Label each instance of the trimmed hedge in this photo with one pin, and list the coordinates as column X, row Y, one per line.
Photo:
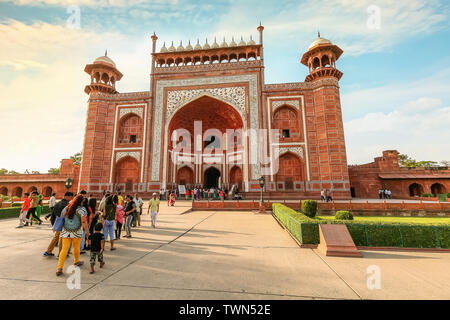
column 309, row 208
column 15, row 211
column 370, row 234
column 427, row 195
column 343, row 215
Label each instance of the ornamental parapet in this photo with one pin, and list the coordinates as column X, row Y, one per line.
column 120, row 96
column 333, row 82
column 209, row 67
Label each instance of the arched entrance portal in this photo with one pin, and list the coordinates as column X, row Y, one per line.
column 17, row 192
column 236, row 177
column 32, row 189
column 4, row 191
column 127, row 172
column 415, row 190
column 289, row 170
column 437, row 189
column 47, row 192
column 216, row 118
column 185, row 176
column 212, row 176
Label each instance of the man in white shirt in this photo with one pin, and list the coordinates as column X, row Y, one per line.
column 139, row 203
column 52, row 201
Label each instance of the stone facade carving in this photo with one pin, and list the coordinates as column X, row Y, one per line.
column 124, row 111
column 189, row 165
column 134, row 154
column 217, row 166
column 293, row 103
column 282, row 150
column 209, row 67
column 234, row 96
column 120, row 96
column 302, row 85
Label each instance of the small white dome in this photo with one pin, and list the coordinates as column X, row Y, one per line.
column 180, row 47
column 163, row 48
column 251, row 42
column 198, row 46
column 104, row 59
column 215, row 45
column 318, row 41
column 223, row 44
column 206, row 45
column 172, row 48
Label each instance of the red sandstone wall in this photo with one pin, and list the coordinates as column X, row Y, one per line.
column 41, row 182
column 367, row 179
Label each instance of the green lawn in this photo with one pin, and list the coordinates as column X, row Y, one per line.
column 419, row 220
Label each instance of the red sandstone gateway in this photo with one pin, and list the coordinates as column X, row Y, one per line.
column 131, row 140
column 128, row 141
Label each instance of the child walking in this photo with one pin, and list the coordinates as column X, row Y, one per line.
column 97, row 244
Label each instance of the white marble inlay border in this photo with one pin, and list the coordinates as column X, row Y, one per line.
column 134, row 154
column 252, row 100
column 234, row 96
column 279, row 103
column 137, row 111
column 296, row 150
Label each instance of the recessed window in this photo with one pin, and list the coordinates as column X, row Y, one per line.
column 285, row 133
column 133, row 138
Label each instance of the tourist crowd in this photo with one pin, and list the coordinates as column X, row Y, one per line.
column 385, row 194
column 196, row 193
column 80, row 224
column 325, row 195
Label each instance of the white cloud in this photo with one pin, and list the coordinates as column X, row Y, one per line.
column 387, row 98
column 420, row 128
column 20, row 64
column 43, row 109
column 342, row 21
column 91, row 3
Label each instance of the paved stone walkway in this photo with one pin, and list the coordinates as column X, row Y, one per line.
column 214, row 255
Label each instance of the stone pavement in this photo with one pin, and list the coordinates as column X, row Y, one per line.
column 214, row 255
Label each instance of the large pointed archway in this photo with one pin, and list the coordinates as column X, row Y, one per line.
column 211, row 179
column 290, row 171
column 216, row 118
column 127, row 173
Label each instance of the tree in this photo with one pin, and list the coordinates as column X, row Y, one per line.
column 54, row 170
column 13, row 172
column 3, row 171
column 445, row 163
column 405, row 161
column 35, row 172
column 26, row 171
column 77, row 158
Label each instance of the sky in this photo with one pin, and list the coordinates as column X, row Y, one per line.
column 395, row 92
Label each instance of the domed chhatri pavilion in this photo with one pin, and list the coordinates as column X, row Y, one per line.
column 132, row 139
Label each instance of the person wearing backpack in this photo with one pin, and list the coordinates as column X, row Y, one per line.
column 56, row 212
column 110, row 216
column 75, row 220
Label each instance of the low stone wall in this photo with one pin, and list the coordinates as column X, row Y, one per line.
column 366, row 209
